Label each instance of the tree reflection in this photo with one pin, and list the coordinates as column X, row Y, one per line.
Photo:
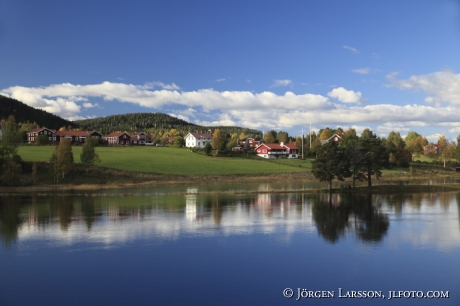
column 336, row 215
column 10, row 219
column 63, row 205
column 88, row 210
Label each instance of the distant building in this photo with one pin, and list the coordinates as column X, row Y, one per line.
column 198, row 140
column 275, row 150
column 118, row 138
column 335, row 138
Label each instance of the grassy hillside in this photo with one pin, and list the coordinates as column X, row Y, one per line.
column 165, row 160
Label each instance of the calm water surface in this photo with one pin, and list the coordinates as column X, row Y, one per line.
column 192, row 249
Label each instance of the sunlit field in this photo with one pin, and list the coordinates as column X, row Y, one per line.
column 167, row 160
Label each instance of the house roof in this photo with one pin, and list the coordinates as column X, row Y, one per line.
column 116, row 134
column 75, row 133
column 290, row 146
column 41, row 129
column 201, row 135
column 271, row 145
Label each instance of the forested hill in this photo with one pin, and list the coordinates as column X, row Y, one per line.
column 23, row 113
column 157, row 123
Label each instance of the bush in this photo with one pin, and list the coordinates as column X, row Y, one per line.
column 42, row 140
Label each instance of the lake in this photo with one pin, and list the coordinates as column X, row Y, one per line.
column 161, row 247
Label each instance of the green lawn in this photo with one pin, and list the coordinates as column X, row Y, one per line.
column 168, row 160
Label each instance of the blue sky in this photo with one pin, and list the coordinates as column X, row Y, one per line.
column 385, row 65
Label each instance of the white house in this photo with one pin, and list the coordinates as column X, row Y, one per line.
column 198, row 140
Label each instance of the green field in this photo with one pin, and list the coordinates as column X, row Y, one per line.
column 167, row 160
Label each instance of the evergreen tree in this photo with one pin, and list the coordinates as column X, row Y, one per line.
column 208, row 148
column 88, row 155
column 331, row 163
column 373, row 155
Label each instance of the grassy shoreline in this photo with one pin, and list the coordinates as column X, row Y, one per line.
column 107, row 178
column 127, row 167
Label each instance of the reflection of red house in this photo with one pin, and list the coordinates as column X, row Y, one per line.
column 275, row 150
column 118, row 138
column 76, row 136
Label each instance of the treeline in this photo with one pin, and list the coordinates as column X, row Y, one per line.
column 157, row 124
column 364, row 156
column 27, row 114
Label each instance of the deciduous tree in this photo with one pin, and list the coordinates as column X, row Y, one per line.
column 10, row 139
column 64, row 156
column 218, row 140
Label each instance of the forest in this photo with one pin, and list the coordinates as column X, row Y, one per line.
column 157, row 124
column 24, row 113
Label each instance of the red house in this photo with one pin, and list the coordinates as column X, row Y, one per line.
column 77, row 136
column 32, row 135
column 138, row 138
column 118, row 138
column 275, row 150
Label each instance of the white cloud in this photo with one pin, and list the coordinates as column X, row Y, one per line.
column 366, row 70
column 221, row 80
column 434, row 137
column 89, row 105
column 264, row 110
column 353, row 50
column 346, row 96
column 388, row 127
column 179, row 116
column 443, row 85
column 278, row 83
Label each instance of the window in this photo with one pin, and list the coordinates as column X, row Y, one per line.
column 264, row 151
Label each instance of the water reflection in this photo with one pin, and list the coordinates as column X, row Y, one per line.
column 338, row 214
column 428, row 218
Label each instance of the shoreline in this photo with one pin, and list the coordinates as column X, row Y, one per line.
column 157, row 180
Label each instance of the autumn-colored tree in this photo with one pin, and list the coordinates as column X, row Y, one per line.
column 283, row 137
column 325, row 134
column 415, row 145
column 270, row 136
column 411, row 135
column 442, row 145
column 64, row 156
column 218, row 140
column 394, row 142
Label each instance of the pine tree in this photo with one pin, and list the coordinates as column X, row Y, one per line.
column 88, row 155
column 331, row 163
